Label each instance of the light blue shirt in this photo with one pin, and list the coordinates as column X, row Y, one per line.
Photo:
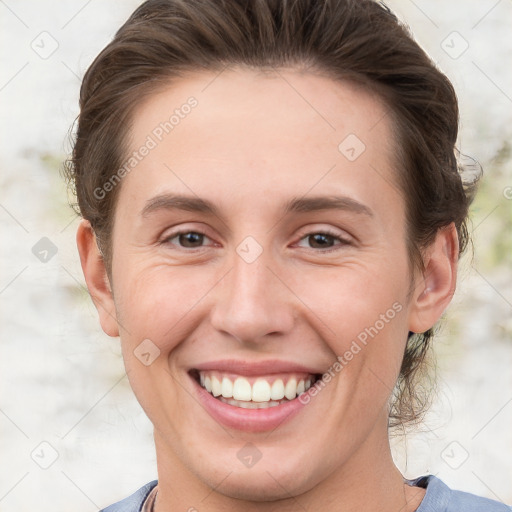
column 438, row 498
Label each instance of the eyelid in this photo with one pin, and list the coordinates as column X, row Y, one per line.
column 164, row 239
column 325, row 230
column 340, row 235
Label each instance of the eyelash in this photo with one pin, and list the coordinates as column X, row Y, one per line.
column 325, row 232
column 329, row 233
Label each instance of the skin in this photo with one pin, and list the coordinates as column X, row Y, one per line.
column 252, row 143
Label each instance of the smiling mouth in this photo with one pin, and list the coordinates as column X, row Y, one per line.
column 256, row 392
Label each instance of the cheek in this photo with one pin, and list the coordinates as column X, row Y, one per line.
column 362, row 314
column 154, row 299
column 350, row 299
column 154, row 305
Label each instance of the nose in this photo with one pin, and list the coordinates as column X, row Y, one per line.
column 253, row 302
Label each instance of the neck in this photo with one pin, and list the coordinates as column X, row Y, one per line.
column 367, row 482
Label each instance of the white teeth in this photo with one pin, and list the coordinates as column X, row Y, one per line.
column 242, row 389
column 227, row 388
column 290, row 390
column 277, row 391
column 216, row 387
column 249, row 405
column 261, row 391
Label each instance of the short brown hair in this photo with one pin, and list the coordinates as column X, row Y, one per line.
column 356, row 40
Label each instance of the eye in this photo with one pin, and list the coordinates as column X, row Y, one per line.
column 186, row 239
column 325, row 240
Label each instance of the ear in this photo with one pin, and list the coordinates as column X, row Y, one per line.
column 435, row 288
column 96, row 277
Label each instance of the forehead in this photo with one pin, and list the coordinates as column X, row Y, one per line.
column 261, row 132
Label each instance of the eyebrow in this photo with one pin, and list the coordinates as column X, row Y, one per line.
column 179, row 202
column 317, row 203
column 298, row 205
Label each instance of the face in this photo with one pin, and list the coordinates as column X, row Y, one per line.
column 258, row 244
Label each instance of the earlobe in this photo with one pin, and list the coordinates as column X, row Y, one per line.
column 96, row 278
column 435, row 289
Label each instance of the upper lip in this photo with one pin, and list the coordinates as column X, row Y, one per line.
column 254, row 368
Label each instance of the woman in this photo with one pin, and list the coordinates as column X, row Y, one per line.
column 272, row 219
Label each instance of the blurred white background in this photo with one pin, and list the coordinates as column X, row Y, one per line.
column 63, row 381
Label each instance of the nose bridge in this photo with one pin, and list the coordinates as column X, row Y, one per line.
column 251, row 302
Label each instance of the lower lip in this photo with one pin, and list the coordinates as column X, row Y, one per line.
column 248, row 420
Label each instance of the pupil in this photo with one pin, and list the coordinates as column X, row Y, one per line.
column 186, row 239
column 321, row 240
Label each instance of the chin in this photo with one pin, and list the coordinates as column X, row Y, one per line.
column 258, row 488
column 264, row 483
